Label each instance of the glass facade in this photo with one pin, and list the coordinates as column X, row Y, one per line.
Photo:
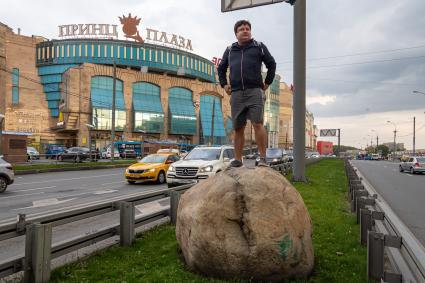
column 208, row 102
column 182, row 116
column 15, row 86
column 101, row 99
column 148, row 112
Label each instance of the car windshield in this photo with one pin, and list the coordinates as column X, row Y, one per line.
column 204, row 154
column 154, row 159
column 274, row 152
column 421, row 159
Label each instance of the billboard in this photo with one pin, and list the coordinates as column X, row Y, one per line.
column 328, row 132
column 231, row 5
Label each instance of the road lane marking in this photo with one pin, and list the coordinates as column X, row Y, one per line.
column 69, row 179
column 409, row 175
column 104, row 192
column 45, row 202
column 36, row 189
column 22, row 195
column 112, row 183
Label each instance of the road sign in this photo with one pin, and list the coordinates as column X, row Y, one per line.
column 231, row 5
column 328, row 132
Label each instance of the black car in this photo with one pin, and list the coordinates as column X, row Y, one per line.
column 77, row 154
column 275, row 156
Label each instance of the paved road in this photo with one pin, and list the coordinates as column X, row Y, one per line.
column 405, row 193
column 38, row 193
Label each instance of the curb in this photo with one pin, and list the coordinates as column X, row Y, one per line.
column 82, row 168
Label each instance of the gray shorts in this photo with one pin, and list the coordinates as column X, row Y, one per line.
column 247, row 104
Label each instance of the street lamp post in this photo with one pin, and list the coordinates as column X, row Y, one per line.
column 90, row 127
column 377, row 139
column 395, row 134
column 1, row 133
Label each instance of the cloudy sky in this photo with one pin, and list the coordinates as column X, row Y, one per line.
column 364, row 57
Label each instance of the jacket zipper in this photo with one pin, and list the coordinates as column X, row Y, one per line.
column 243, row 87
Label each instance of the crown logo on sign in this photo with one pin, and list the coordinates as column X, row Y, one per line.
column 130, row 27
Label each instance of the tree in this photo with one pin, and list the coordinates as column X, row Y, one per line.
column 343, row 148
column 383, row 149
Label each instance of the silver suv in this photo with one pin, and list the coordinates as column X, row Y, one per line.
column 201, row 163
column 6, row 175
column 415, row 164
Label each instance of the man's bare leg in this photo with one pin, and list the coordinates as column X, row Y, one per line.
column 239, row 142
column 260, row 138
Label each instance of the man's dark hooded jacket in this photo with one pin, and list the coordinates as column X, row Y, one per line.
column 245, row 66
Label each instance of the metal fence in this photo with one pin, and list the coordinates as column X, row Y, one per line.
column 39, row 251
column 384, row 234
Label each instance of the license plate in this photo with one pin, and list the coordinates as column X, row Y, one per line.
column 187, row 181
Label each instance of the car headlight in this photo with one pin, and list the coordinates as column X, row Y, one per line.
column 208, row 168
column 171, row 168
column 274, row 159
column 127, row 170
column 152, row 170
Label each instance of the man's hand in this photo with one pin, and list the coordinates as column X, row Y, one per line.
column 265, row 87
column 228, row 89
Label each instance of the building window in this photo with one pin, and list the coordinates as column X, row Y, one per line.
column 15, row 86
column 148, row 113
column 181, row 111
column 208, row 104
column 101, row 100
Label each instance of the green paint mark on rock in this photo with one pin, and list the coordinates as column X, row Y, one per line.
column 285, row 245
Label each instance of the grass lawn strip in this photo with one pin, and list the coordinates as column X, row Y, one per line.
column 154, row 257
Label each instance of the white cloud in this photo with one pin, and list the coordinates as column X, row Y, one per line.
column 321, row 99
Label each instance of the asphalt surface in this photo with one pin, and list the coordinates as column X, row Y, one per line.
column 48, row 192
column 405, row 193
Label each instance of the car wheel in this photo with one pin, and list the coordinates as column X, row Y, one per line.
column 400, row 168
column 131, row 182
column 161, row 177
column 412, row 171
column 3, row 184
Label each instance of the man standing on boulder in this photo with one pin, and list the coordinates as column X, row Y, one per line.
column 246, row 87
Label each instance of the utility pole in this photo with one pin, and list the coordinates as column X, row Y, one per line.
column 212, row 122
column 395, row 145
column 299, row 96
column 339, row 141
column 377, row 143
column 414, row 135
column 114, row 89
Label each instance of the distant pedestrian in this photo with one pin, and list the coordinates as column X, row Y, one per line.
column 246, row 87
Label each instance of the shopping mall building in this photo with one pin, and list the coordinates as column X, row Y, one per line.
column 61, row 90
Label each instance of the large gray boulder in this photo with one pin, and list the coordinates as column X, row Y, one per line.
column 245, row 223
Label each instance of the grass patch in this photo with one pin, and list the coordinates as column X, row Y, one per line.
column 154, row 257
column 69, row 165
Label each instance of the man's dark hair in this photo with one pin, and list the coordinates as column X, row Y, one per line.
column 241, row 23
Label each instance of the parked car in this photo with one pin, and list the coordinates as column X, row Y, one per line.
column 201, row 163
column 151, row 168
column 77, row 154
column 32, row 153
column 128, row 153
column 413, row 165
column 6, row 174
column 53, row 150
column 106, row 152
column 275, row 156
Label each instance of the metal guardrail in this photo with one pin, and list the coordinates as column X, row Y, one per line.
column 38, row 231
column 384, row 233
